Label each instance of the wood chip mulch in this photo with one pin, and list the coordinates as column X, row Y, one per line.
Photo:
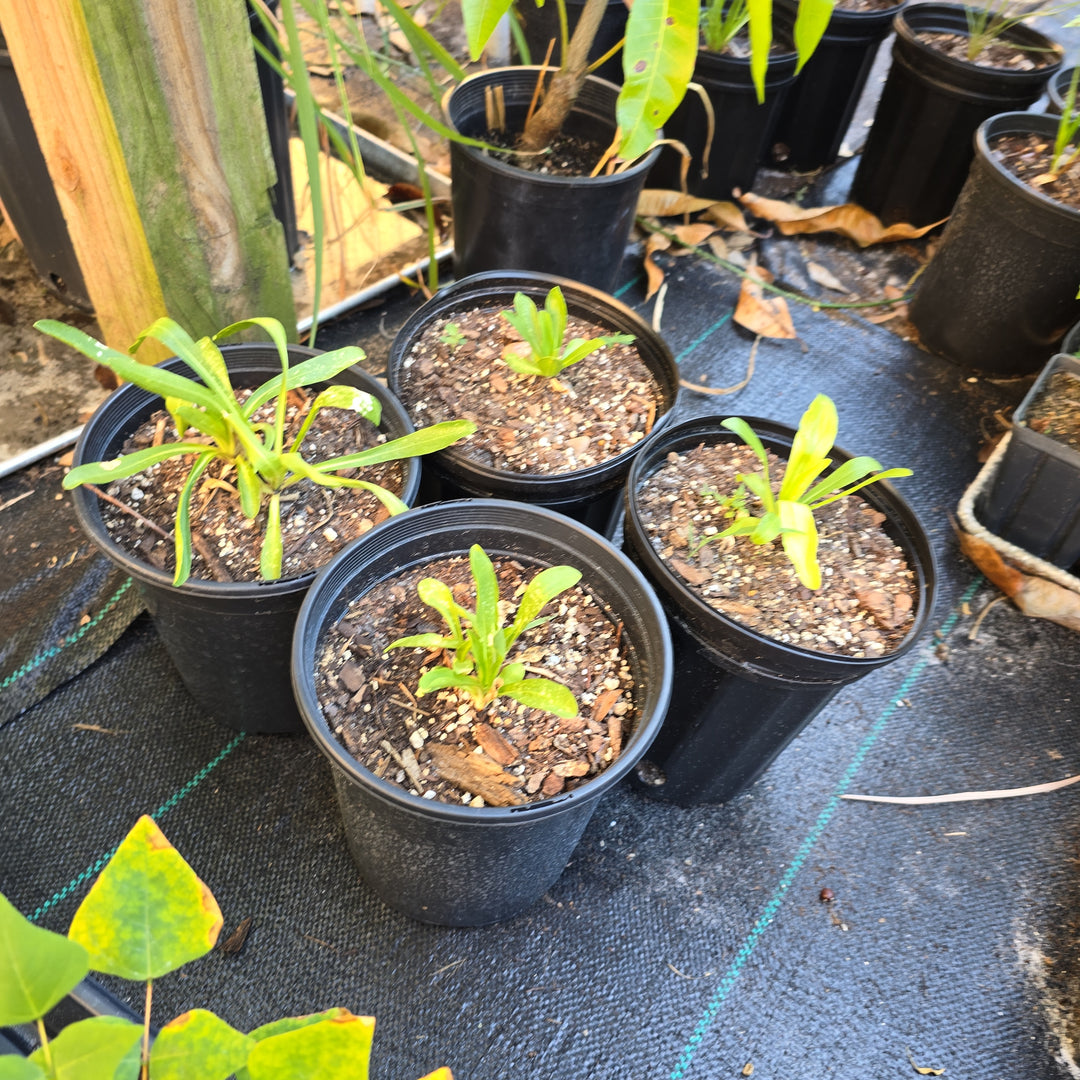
column 440, row 746
column 866, row 604
column 1029, row 157
column 595, row 410
column 1000, row 53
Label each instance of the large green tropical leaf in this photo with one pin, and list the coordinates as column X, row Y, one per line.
column 658, row 62
column 37, row 967
column 198, row 1046
column 147, row 913
column 101, row 1048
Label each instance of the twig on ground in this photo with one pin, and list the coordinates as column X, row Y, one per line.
column 966, row 796
column 728, row 389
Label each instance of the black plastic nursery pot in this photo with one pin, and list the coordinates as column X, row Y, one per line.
column 818, row 108
column 919, row 150
column 1070, row 343
column 587, row 495
column 741, row 697
column 540, row 25
column 452, row 864
column 513, row 219
column 743, row 130
column 229, row 641
column 1001, row 289
column 1033, row 498
column 1057, row 89
column 27, row 194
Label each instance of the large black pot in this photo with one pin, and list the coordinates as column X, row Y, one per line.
column 818, row 108
column 229, row 640
column 741, row 697
column 588, row 495
column 462, row 865
column 920, row 147
column 1001, row 289
column 743, row 129
column 540, row 25
column 506, row 218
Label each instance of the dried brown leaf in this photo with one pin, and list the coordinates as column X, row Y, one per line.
column 727, row 215
column 761, row 314
column 718, row 246
column 494, row 745
column 849, row 220
column 692, row 235
column 653, row 273
column 824, row 277
column 657, row 202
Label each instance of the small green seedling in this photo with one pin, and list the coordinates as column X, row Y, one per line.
column 263, row 464
column 452, row 335
column 479, row 643
column 790, row 513
column 542, row 351
column 1066, row 144
column 147, row 915
column 721, row 22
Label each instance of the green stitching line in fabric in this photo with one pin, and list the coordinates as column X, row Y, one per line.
column 161, row 811
column 727, row 983
column 71, row 639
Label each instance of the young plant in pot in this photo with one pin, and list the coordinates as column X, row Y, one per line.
column 478, row 678
column 1032, row 498
column 766, row 634
column 1001, row 289
column 953, row 67
column 228, row 485
column 563, row 382
column 145, row 916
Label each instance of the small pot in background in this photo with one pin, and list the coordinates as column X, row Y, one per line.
column 540, row 25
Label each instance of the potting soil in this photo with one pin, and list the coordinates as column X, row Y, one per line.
column 789, row 934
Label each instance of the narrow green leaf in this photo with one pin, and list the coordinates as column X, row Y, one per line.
column 182, row 525
column 481, row 17
column 541, row 590
column 439, row 678
column 555, row 306
column 147, row 913
column 270, row 555
column 208, row 423
column 887, row 474
column 847, row 472
column 315, row 369
column 658, row 62
column 198, row 1046
column 800, row 539
column 811, row 22
column 105, row 472
column 249, row 487
column 760, row 43
column 485, row 621
column 37, row 967
column 420, row 39
column 543, row 694
column 101, row 1048
column 427, row 440
column 338, row 1048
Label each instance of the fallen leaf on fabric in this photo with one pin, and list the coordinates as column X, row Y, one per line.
column 658, row 202
column 692, row 235
column 727, row 215
column 890, row 313
column 718, row 246
column 1034, row 596
column 761, row 314
column 741, row 241
column 824, row 277
column 924, row 1071
column 653, row 273
column 849, row 220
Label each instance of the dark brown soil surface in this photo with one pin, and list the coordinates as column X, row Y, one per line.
column 866, row 602
column 867, row 5
column 568, row 155
column 440, row 746
column 1000, row 53
column 1029, row 158
column 596, row 409
column 316, row 522
column 1056, row 411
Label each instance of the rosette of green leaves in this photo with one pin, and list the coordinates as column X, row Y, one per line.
column 543, row 332
column 789, row 513
column 480, row 643
column 263, row 462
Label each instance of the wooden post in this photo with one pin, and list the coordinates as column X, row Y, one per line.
column 54, row 62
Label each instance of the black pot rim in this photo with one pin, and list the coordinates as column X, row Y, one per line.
column 707, row 428
column 331, row 579
column 87, row 505
column 915, row 17
column 846, row 17
column 503, row 168
column 1019, row 123
column 479, row 286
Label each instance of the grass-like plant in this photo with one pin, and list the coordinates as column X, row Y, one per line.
column 145, row 916
column 263, row 462
column 479, row 643
column 1066, row 144
column 721, row 21
column 988, row 21
column 543, row 333
column 789, row 514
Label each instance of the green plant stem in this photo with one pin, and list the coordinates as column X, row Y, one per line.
column 740, row 272
column 46, row 1050
column 146, row 1030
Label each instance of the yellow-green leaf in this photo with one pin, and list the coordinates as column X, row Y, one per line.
column 101, row 1048
column 658, row 61
column 13, row 1067
column 811, row 23
column 481, row 17
column 798, row 534
column 198, row 1046
column 337, row 1047
column 147, row 913
column 37, row 967
column 760, row 42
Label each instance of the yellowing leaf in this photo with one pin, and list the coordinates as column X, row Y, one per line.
column 849, row 220
column 658, row 202
column 335, row 1048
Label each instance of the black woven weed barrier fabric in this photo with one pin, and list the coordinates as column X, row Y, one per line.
column 679, row 942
